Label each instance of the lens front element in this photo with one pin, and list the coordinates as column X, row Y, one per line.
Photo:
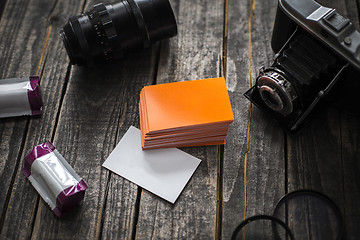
column 276, row 92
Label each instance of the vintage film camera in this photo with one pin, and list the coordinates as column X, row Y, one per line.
column 318, row 50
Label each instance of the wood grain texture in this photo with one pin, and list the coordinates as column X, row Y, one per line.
column 96, row 105
column 121, row 201
column 14, row 49
column 350, row 144
column 88, row 125
column 24, row 199
column 314, row 160
column 21, row 42
column 99, row 105
column 350, row 128
column 318, row 158
column 265, row 173
column 195, row 53
column 87, row 111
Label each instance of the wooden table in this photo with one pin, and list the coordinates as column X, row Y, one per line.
column 87, row 111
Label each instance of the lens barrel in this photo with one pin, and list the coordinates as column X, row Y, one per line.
column 106, row 32
column 277, row 92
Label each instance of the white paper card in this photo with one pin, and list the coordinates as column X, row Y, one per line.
column 163, row 172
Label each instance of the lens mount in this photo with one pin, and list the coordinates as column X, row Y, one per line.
column 276, row 92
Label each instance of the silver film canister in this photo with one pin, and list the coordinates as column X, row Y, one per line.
column 20, row 96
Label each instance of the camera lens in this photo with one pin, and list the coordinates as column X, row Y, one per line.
column 271, row 98
column 276, row 92
column 106, row 32
column 299, row 72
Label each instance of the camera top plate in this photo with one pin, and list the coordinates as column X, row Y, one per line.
column 334, row 30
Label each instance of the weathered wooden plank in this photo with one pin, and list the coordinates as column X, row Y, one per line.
column 95, row 114
column 350, row 149
column 314, row 158
column 91, row 115
column 350, row 130
column 120, row 212
column 99, row 105
column 350, row 145
column 119, row 209
column 12, row 47
column 11, row 134
column 319, row 157
column 38, row 18
column 21, row 43
column 254, row 153
column 193, row 54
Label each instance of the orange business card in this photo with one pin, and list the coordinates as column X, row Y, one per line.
column 190, row 113
column 186, row 104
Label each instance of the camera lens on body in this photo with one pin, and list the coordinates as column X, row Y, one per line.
column 299, row 72
column 277, row 92
column 316, row 62
column 106, row 32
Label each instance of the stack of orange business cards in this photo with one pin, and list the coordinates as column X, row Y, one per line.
column 180, row 114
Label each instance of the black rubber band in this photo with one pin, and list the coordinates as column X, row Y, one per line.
column 318, row 195
column 262, row 217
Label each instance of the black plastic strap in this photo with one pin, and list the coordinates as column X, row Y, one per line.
column 318, row 195
column 274, row 221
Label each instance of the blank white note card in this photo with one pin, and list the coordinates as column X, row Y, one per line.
column 163, row 172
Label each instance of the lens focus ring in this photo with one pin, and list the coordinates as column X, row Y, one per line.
column 104, row 28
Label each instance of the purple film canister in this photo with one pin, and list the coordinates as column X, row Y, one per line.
column 20, row 96
column 53, row 178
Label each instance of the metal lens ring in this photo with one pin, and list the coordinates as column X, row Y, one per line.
column 140, row 22
column 104, row 28
column 310, row 215
column 276, row 92
column 262, row 227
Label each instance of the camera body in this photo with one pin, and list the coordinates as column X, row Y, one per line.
column 317, row 53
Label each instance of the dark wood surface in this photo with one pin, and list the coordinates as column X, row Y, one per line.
column 87, row 111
